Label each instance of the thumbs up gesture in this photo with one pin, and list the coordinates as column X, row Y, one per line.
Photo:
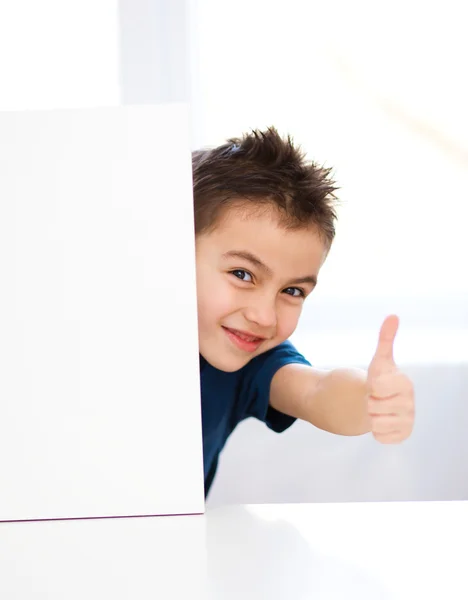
column 390, row 392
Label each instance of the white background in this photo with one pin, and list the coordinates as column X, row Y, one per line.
column 375, row 91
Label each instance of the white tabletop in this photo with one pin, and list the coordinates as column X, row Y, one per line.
column 369, row 551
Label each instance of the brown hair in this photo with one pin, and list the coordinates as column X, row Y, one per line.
column 262, row 169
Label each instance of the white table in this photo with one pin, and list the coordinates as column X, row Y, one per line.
column 368, row 551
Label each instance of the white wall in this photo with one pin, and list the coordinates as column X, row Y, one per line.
column 83, row 53
column 56, row 54
column 154, row 41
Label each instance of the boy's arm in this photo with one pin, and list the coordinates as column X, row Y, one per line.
column 335, row 401
column 351, row 401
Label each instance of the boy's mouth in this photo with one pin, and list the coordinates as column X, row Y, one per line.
column 243, row 340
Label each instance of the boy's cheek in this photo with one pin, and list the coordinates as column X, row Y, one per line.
column 288, row 320
column 213, row 306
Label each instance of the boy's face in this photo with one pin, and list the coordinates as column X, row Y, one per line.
column 252, row 279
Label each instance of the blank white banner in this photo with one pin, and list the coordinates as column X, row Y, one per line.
column 99, row 383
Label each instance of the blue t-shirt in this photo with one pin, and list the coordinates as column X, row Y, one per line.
column 229, row 398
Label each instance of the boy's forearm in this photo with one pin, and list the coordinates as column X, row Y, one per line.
column 339, row 402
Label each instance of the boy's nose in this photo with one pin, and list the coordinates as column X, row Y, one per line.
column 263, row 314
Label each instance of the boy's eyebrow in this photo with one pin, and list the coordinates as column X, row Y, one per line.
column 245, row 255
column 309, row 279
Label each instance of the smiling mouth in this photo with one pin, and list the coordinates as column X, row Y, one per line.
column 245, row 336
column 242, row 340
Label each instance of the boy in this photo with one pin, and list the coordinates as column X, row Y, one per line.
column 264, row 223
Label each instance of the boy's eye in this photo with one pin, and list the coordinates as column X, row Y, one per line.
column 241, row 274
column 296, row 292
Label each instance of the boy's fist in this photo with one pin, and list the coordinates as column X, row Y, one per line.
column 390, row 392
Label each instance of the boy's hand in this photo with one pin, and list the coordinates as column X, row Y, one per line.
column 390, row 392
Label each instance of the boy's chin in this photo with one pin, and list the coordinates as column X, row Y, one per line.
column 229, row 364
column 224, row 361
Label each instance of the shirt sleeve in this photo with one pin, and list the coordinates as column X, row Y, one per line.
column 256, row 382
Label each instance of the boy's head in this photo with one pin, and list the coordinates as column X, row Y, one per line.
column 264, row 223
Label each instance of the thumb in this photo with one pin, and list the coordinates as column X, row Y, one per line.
column 383, row 358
